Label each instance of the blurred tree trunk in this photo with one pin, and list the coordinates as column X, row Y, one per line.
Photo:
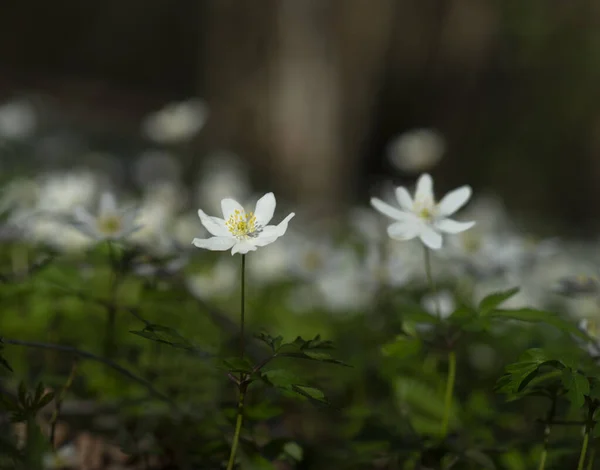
column 293, row 82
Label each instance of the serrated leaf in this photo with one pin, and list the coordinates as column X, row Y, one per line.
column 577, row 386
column 237, row 364
column 314, row 356
column 531, row 315
column 310, row 392
column 494, row 300
column 273, row 342
column 402, row 347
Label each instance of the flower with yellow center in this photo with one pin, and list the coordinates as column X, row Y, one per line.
column 423, row 217
column 111, row 223
column 240, row 230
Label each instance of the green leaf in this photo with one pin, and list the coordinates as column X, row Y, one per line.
column 540, row 316
column 577, row 386
column 310, row 392
column 402, row 347
column 293, row 450
column 314, row 356
column 492, row 301
column 166, row 335
column 237, row 364
column 273, row 342
column 519, row 374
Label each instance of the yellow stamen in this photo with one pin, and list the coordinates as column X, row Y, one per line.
column 109, row 225
column 242, row 225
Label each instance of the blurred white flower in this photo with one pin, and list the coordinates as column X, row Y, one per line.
column 273, row 265
column 223, row 175
column 220, row 281
column 241, row 231
column 18, row 119
column 416, row 151
column 63, row 192
column 176, row 122
column 111, row 222
column 65, row 457
column 423, row 217
column 442, row 300
column 389, row 269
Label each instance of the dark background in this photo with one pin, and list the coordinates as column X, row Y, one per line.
column 311, row 91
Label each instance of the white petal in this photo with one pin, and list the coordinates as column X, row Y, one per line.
column 214, row 243
column 431, row 238
column 108, row 204
column 265, row 207
column 243, row 248
column 389, row 210
column 404, row 199
column 84, row 217
column 403, row 231
column 272, row 232
column 424, row 190
column 452, row 226
column 214, row 225
column 454, row 200
column 229, row 206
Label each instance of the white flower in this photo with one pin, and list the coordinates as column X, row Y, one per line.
column 176, row 122
column 62, row 192
column 416, row 150
column 239, row 230
column 423, row 217
column 443, row 300
column 18, row 119
column 65, row 457
column 111, row 223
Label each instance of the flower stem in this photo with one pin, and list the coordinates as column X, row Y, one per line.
column 431, row 282
column 549, row 418
column 242, row 383
column 242, row 306
column 584, row 446
column 238, row 427
column 449, row 392
column 111, row 308
column 591, row 460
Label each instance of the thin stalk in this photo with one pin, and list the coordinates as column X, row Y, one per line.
column 238, row 428
column 591, row 460
column 431, row 282
column 59, row 401
column 449, row 392
column 242, row 307
column 111, row 306
column 584, row 446
column 549, row 418
column 242, row 385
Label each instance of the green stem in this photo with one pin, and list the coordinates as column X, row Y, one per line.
column 242, row 306
column 584, row 446
column 238, row 428
column 591, row 461
column 549, row 418
column 242, row 383
column 111, row 307
column 449, row 392
column 431, row 282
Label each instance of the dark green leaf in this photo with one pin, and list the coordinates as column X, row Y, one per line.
column 310, row 392
column 494, row 300
column 402, row 347
column 577, row 386
column 237, row 364
column 539, row 316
